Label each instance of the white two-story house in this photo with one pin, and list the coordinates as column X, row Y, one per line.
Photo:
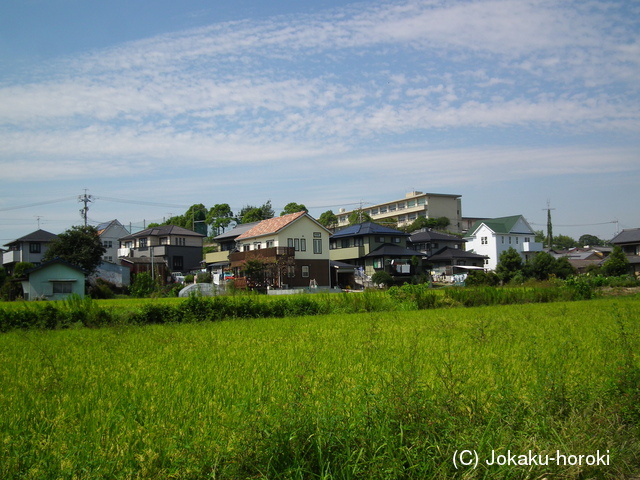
column 493, row 236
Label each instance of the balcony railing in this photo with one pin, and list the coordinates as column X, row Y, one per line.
column 265, row 254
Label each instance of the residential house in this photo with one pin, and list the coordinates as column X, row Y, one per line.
column 217, row 263
column 583, row 258
column 372, row 248
column 446, row 256
column 53, row 280
column 491, row 237
column 415, row 205
column 629, row 241
column 167, row 247
column 110, row 234
column 30, row 248
column 294, row 250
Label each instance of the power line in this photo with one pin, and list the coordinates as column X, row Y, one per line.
column 36, row 204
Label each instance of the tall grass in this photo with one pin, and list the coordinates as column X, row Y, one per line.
column 76, row 311
column 370, row 395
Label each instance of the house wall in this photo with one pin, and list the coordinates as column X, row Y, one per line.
column 497, row 243
column 111, row 241
column 41, row 282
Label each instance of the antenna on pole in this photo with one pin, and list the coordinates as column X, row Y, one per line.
column 549, row 225
column 38, row 217
column 86, row 199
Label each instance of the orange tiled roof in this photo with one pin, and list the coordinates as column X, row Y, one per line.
column 271, row 225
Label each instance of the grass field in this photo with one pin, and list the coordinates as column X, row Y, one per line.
column 360, row 396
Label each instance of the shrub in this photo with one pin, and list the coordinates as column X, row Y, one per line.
column 382, row 278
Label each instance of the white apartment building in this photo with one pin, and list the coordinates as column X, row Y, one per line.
column 415, row 205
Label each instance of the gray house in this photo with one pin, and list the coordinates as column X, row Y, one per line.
column 178, row 249
column 29, row 248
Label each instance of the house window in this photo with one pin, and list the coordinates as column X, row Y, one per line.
column 411, row 203
column 296, row 244
column 305, row 271
column 333, row 245
column 269, row 243
column 178, row 263
column 107, row 244
column 509, row 240
column 421, row 201
column 392, row 207
column 291, row 271
column 257, row 245
column 164, row 241
column 396, row 239
column 374, row 211
column 303, row 244
column 484, row 241
column 143, row 242
column 128, row 244
column 383, row 209
column 34, row 247
column 402, row 218
column 412, row 217
column 377, row 263
column 345, row 243
column 290, row 242
column 317, row 245
column 503, row 239
column 358, row 242
column 380, row 239
column 246, row 247
column 317, row 234
column 62, row 287
column 527, row 239
column 401, row 205
column 517, row 240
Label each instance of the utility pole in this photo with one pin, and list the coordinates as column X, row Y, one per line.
column 549, row 225
column 86, row 199
column 38, row 217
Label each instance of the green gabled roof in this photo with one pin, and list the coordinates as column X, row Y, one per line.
column 498, row 225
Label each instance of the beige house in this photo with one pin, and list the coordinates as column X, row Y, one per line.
column 294, row 250
column 407, row 210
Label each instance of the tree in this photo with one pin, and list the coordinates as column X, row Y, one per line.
column 590, row 240
column 359, row 216
column 440, row 223
column 616, row 263
column 509, row 265
column 80, row 246
column 219, row 217
column 293, row 208
column 250, row 213
column 328, row 219
column 564, row 242
column 193, row 219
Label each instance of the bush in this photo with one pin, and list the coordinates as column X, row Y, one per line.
column 382, row 278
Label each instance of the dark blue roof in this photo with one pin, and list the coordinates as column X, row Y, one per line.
column 367, row 228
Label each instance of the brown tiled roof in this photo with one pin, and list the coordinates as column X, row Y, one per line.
column 271, row 225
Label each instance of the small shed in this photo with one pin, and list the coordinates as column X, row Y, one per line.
column 53, row 280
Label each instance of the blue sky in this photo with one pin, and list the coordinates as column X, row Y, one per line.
column 155, row 106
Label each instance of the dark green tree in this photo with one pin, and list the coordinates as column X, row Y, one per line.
column 564, row 242
column 80, row 246
column 359, row 216
column 616, row 263
column 328, row 219
column 219, row 217
column 543, row 265
column 590, row 240
column 250, row 213
column 509, row 265
column 293, row 208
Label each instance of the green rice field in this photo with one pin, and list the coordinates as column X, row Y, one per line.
column 467, row 393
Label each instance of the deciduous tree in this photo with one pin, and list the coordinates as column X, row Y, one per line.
column 80, row 246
